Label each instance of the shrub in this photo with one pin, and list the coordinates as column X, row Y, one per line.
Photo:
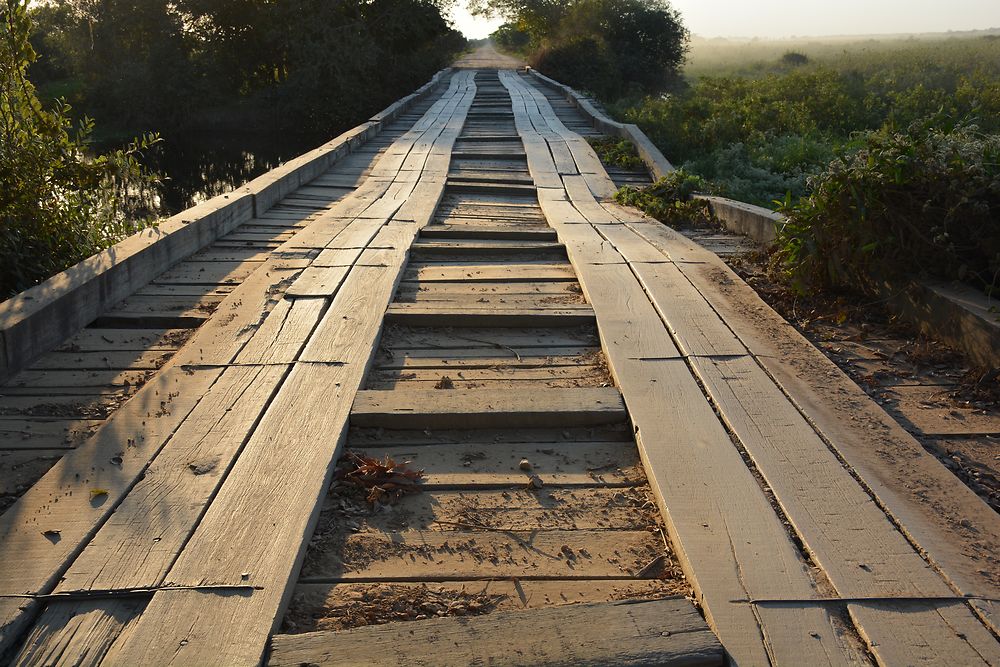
column 617, row 152
column 57, row 206
column 670, row 199
column 794, row 59
column 925, row 200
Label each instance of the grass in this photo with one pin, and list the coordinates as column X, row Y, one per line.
column 882, row 151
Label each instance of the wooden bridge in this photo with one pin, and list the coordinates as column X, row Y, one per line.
column 603, row 412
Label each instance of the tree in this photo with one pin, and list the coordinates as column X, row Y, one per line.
column 610, row 47
column 57, row 206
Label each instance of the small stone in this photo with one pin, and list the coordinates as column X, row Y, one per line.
column 525, row 464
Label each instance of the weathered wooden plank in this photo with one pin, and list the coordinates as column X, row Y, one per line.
column 143, row 340
column 54, row 519
column 37, row 380
column 140, row 540
column 496, row 378
column 502, row 272
column 77, row 633
column 515, row 409
column 513, row 507
column 41, row 433
column 910, row 483
column 284, row 333
column 697, row 329
column 104, row 360
column 481, row 464
column 221, row 338
column 410, row 291
column 860, row 550
column 487, row 357
column 297, row 439
column 729, row 541
column 423, row 338
column 454, row 231
column 664, row 632
column 337, row 606
column 476, row 313
column 480, row 554
column 375, row 437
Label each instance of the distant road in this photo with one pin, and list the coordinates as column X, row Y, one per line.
column 487, row 57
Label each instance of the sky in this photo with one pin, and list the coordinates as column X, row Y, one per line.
column 787, row 18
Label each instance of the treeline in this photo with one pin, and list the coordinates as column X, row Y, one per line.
column 612, row 48
column 156, row 67
column 312, row 66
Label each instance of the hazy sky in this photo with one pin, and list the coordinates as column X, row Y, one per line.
column 784, row 18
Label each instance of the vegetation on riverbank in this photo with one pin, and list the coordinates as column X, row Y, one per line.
column 883, row 154
column 58, row 204
column 304, row 71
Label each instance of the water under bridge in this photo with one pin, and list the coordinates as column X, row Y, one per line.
column 603, row 414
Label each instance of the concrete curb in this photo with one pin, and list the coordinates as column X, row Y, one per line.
column 42, row 317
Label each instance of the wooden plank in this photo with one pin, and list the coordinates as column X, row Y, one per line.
column 141, row 539
column 376, row 437
column 421, row 338
column 38, row 380
column 494, row 378
column 463, row 314
column 728, row 538
column 410, row 291
column 445, row 231
column 503, row 247
column 107, row 359
column 910, row 483
column 632, row 247
column 320, row 281
column 482, row 357
column 40, row 433
column 78, row 494
column 521, row 272
column 342, row 606
column 665, row 632
column 482, row 464
column 413, row 555
column 698, row 330
column 20, row 469
column 454, row 409
column 512, row 507
column 221, row 338
column 854, row 542
column 76, row 633
column 190, row 627
column 151, row 340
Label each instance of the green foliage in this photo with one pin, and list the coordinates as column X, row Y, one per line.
column 759, row 138
column 609, row 47
column 794, row 59
column 926, row 199
column 618, row 152
column 316, row 66
column 670, row 199
column 57, row 206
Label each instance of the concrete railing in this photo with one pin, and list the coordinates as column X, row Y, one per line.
column 40, row 318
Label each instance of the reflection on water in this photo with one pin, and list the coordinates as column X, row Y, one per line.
column 198, row 166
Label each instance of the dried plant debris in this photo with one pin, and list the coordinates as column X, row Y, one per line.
column 360, row 605
column 381, row 480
